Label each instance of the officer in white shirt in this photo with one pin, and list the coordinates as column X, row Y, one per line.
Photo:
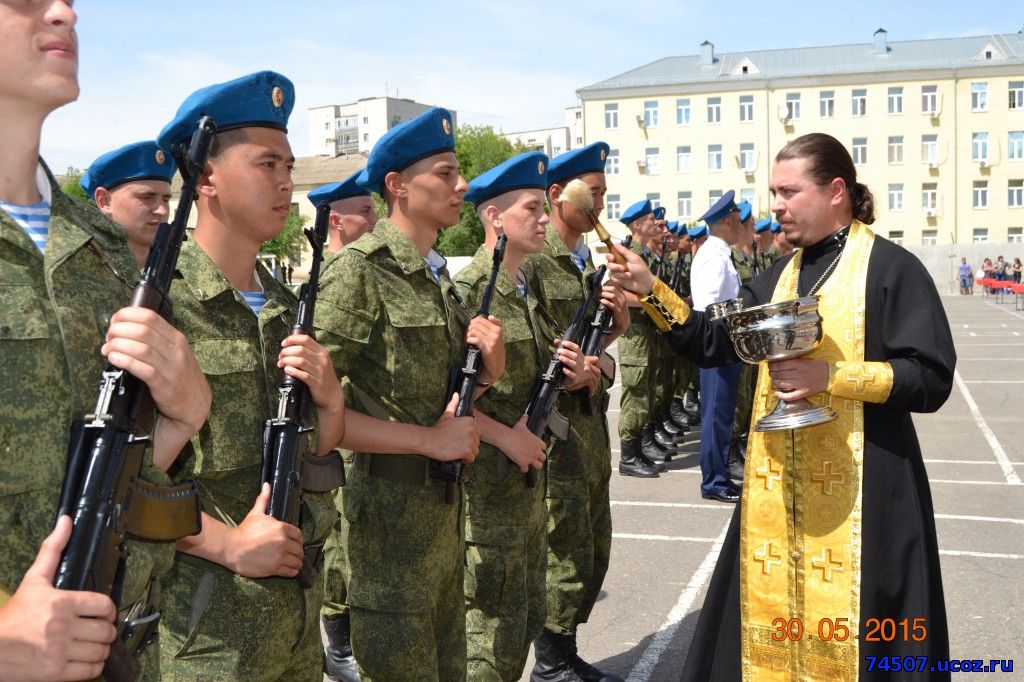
column 713, row 279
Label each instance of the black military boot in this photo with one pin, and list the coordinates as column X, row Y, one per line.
column 557, row 661
column 691, row 403
column 652, row 453
column 664, row 439
column 630, row 463
column 341, row 664
column 677, row 415
column 737, row 458
column 677, row 431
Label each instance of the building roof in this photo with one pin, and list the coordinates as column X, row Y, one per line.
column 312, row 171
column 879, row 56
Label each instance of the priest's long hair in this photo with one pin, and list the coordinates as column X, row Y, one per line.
column 829, row 159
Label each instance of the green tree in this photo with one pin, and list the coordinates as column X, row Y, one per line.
column 69, row 184
column 290, row 242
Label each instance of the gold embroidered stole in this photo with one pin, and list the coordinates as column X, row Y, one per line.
column 800, row 541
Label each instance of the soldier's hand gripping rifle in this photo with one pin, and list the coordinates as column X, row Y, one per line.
column 103, row 491
column 453, row 473
column 541, row 415
column 286, row 436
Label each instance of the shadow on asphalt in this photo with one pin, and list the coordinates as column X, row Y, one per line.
column 669, row 664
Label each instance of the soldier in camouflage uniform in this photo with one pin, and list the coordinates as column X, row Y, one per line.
column 748, row 266
column 764, row 243
column 352, row 215
column 64, row 271
column 639, row 357
column 506, row 520
column 234, row 611
column 579, row 512
column 396, row 327
column 684, row 371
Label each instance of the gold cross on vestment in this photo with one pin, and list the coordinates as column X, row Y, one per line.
column 826, row 565
column 768, row 474
column 861, row 379
column 767, row 556
column 826, row 477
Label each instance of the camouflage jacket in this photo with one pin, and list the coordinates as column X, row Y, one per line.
column 54, row 313
column 638, row 341
column 746, row 267
column 237, row 352
column 390, row 327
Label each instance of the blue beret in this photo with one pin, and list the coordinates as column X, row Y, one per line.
column 745, row 210
column 659, row 213
column 138, row 161
column 762, row 225
column 432, row 132
column 524, row 171
column 572, row 164
column 636, row 211
column 260, row 100
column 336, row 191
column 698, row 231
column 673, row 227
column 776, row 227
column 722, row 208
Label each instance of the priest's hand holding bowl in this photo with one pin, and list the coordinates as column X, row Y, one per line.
column 798, row 378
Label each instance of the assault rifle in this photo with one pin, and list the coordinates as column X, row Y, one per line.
column 103, row 491
column 285, row 437
column 453, row 473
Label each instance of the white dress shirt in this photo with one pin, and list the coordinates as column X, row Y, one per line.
column 713, row 277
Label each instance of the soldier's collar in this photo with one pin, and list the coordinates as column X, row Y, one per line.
column 401, row 246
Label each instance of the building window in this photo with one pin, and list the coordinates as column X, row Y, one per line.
column 366, row 137
column 579, row 115
column 611, row 164
column 979, row 96
column 747, row 194
column 827, row 103
column 327, row 126
column 366, row 120
column 929, row 237
column 1017, row 94
column 651, row 114
column 860, row 102
column 579, row 140
column 685, row 207
column 929, row 99
column 1015, row 235
column 684, row 160
column 714, row 157
column 930, row 197
column 747, row 158
column 793, row 105
column 860, row 150
column 930, row 149
column 654, row 198
column 896, row 197
column 1016, row 194
column 556, row 150
column 896, row 100
column 652, row 155
column 979, row 147
column 614, row 205
column 1015, row 145
column 611, row 116
column 980, row 235
column 714, row 109
column 979, row 197
column 896, row 236
column 746, row 107
column 683, row 112
column 896, row 149
column 713, row 196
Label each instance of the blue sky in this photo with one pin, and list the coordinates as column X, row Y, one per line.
column 514, row 65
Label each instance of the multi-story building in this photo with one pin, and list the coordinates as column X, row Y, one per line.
column 354, row 128
column 935, row 127
column 551, row 141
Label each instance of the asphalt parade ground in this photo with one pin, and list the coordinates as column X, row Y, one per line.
column 667, row 539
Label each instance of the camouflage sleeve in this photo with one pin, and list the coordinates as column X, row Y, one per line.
column 347, row 309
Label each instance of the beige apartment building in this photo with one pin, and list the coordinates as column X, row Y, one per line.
column 936, row 128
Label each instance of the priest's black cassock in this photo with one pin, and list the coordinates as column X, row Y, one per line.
column 906, row 326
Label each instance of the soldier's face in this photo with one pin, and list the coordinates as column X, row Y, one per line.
column 138, row 206
column 434, row 190
column 524, row 220
column 764, row 240
column 352, row 218
column 573, row 216
column 38, row 53
column 251, row 182
column 807, row 211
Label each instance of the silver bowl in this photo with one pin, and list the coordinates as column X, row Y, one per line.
column 780, row 331
column 719, row 310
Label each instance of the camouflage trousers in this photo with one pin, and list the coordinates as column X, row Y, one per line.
column 637, row 401
column 579, row 523
column 685, row 375
column 336, row 558
column 405, row 590
column 217, row 625
column 506, row 559
column 744, row 402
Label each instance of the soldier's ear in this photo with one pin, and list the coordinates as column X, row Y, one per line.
column 102, row 198
column 206, row 183
column 394, row 183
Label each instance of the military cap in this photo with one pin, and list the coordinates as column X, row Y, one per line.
column 259, row 100
column 336, row 191
column 698, row 231
column 745, row 210
column 722, row 208
column 673, row 227
column 137, row 161
column 636, row 211
column 572, row 164
column 776, row 227
column 528, row 170
column 659, row 213
column 762, row 225
column 432, row 132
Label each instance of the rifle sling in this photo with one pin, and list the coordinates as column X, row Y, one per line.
column 323, row 474
column 410, row 469
column 162, row 513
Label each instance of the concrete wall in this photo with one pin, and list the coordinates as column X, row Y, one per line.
column 943, row 261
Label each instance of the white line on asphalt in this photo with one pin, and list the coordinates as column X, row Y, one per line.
column 980, row 555
column 1011, row 476
column 972, row 333
column 660, row 538
column 940, row 480
column 671, row 505
column 1008, row 312
column 993, row 359
column 995, row 381
column 643, row 669
column 987, row 519
column 965, row 461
